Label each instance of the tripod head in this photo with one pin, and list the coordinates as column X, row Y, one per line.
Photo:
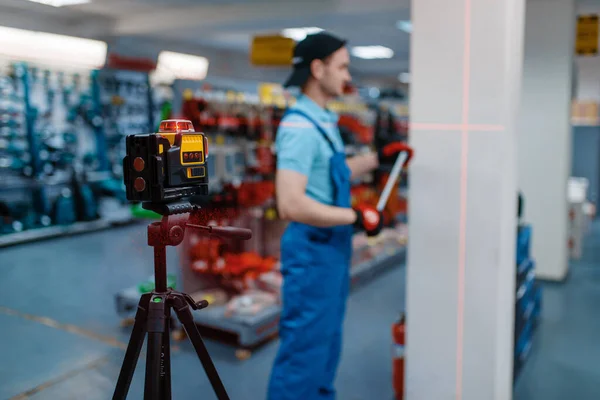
column 170, row 231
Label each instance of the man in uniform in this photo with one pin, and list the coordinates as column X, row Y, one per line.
column 313, row 193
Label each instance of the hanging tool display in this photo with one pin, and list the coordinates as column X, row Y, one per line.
column 54, row 162
column 65, row 126
column 15, row 205
column 127, row 108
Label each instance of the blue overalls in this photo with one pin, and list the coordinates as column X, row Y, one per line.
column 315, row 264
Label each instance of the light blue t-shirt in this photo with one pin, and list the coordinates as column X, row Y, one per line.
column 302, row 148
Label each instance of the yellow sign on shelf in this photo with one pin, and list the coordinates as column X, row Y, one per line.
column 586, row 43
column 273, row 50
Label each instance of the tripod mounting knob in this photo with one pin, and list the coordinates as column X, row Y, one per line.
column 224, row 231
column 196, row 306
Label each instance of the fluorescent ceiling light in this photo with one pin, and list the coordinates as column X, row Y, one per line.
column 60, row 3
column 51, row 49
column 405, row 26
column 372, row 52
column 181, row 66
column 300, row 33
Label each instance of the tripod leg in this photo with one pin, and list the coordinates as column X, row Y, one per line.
column 187, row 320
column 133, row 349
column 166, row 342
column 155, row 367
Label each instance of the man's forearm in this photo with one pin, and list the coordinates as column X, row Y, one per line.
column 308, row 211
column 362, row 164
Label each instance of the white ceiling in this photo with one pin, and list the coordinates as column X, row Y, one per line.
column 225, row 24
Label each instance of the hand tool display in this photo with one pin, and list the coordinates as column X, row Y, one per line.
column 125, row 98
column 59, row 168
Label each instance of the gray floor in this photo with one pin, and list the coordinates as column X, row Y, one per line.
column 72, row 281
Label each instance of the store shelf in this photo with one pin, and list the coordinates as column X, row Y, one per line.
column 252, row 330
column 32, row 235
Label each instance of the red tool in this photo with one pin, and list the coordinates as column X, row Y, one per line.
column 363, row 132
column 265, row 159
column 252, row 194
column 398, row 335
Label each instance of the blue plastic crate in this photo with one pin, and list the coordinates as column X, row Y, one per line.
column 524, row 268
column 523, row 243
column 523, row 341
column 537, row 301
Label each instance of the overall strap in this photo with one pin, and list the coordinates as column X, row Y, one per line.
column 318, row 126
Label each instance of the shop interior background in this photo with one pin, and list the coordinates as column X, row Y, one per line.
column 77, row 76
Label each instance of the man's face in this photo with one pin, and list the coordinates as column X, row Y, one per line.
column 334, row 73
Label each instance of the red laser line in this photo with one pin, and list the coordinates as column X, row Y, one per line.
column 463, row 200
column 455, row 127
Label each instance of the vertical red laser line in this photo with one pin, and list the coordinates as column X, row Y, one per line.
column 463, row 200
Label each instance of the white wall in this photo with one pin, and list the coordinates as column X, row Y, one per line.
column 544, row 141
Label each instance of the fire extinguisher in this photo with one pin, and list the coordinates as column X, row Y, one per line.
column 398, row 335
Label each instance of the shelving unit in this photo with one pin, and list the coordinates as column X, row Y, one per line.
column 58, row 178
column 248, row 331
column 528, row 300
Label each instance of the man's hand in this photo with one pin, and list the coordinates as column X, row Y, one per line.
column 369, row 219
column 387, row 154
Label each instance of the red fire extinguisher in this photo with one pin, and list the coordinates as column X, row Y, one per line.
column 398, row 335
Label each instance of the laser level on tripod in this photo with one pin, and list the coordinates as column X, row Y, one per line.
column 162, row 170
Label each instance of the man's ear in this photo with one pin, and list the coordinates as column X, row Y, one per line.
column 317, row 69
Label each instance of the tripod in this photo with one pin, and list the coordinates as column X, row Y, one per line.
column 154, row 309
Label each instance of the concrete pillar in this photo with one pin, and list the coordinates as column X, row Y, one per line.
column 466, row 60
column 544, row 130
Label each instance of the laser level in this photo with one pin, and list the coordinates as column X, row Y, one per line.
column 166, row 166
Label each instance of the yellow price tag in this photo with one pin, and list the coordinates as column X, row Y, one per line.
column 188, row 94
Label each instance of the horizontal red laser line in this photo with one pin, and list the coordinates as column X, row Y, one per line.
column 456, row 127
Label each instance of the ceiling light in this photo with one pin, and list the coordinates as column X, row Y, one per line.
column 299, row 34
column 60, row 3
column 51, row 49
column 405, row 26
column 372, row 52
column 404, row 77
column 172, row 66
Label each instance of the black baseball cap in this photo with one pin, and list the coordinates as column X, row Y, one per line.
column 317, row 46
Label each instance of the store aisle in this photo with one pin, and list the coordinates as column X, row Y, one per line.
column 72, row 281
